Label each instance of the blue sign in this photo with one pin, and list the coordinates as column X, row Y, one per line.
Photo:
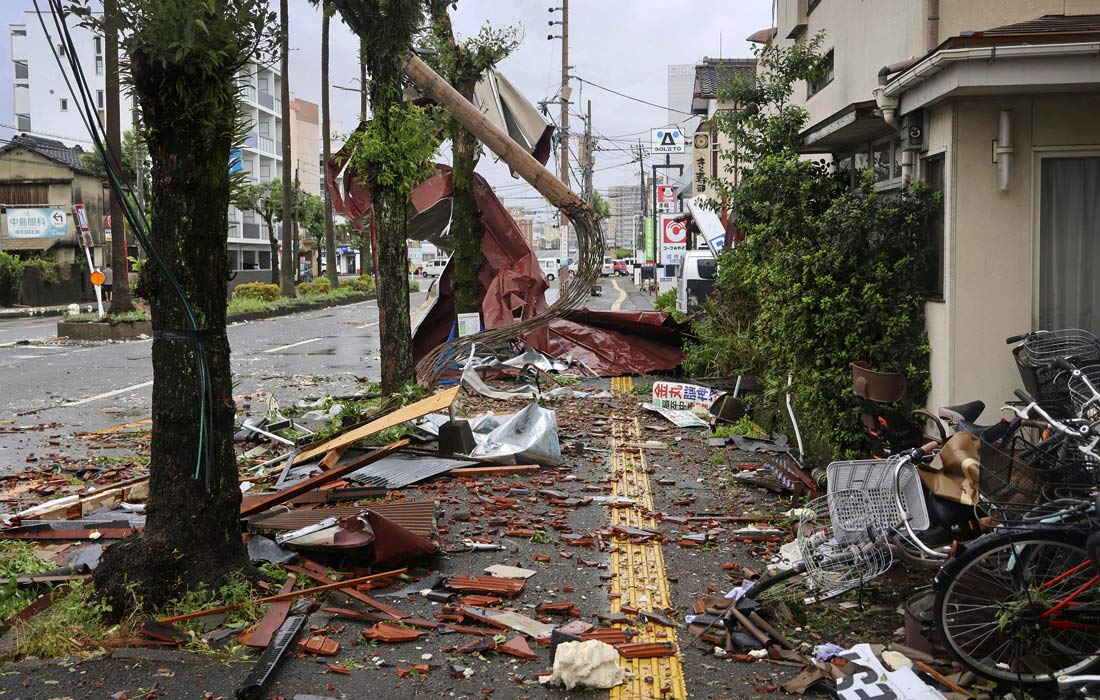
column 36, row 222
column 236, row 163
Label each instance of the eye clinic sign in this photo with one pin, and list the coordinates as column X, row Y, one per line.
column 669, row 139
column 36, row 222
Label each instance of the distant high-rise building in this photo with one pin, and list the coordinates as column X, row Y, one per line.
column 42, row 105
column 622, row 228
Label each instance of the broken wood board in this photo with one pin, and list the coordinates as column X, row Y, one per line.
column 436, row 402
column 262, row 503
column 283, row 596
column 348, row 589
column 273, row 618
column 77, row 506
column 510, row 620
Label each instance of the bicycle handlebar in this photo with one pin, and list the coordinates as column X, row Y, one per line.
column 908, row 458
column 1017, row 338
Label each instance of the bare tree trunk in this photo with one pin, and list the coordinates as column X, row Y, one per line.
column 326, row 150
column 273, row 240
column 120, row 281
column 466, row 225
column 394, row 329
column 290, row 265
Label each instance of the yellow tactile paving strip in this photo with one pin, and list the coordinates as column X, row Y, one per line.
column 639, row 569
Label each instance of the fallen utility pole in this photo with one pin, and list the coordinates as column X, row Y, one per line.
column 590, row 243
column 352, row 582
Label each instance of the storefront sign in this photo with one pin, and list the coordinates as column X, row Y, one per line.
column 36, row 222
column 650, row 244
column 674, row 236
column 701, row 163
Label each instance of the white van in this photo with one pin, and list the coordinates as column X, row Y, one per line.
column 550, row 267
column 608, row 267
column 695, row 279
column 434, row 268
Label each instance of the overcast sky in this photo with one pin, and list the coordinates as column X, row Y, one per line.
column 625, row 45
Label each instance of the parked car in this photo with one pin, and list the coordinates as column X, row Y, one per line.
column 608, row 267
column 550, row 267
column 434, row 268
column 695, row 279
column 620, row 268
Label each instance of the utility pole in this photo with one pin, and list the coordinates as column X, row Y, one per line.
column 120, row 283
column 297, row 200
column 589, row 156
column 563, row 222
column 288, row 257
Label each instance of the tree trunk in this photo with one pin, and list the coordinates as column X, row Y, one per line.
column 466, row 225
column 192, row 531
column 362, row 79
column 290, row 265
column 326, row 151
column 120, row 282
column 394, row 329
column 273, row 240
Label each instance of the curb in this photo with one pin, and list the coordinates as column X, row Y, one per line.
column 43, row 311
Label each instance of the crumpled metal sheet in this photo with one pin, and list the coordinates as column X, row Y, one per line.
column 399, row 470
column 612, row 343
column 528, row 437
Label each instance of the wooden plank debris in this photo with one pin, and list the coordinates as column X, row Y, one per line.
column 283, row 596
column 263, row 503
column 348, row 589
column 436, row 402
column 273, row 618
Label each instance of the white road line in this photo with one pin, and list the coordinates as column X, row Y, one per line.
column 104, row 395
column 368, row 325
column 294, row 345
column 622, row 296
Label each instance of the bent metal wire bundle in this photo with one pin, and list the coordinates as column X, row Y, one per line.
column 590, row 248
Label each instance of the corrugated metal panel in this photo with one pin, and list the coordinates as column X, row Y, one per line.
column 399, row 470
column 417, row 517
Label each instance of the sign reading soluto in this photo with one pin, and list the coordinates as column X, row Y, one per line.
column 669, row 139
column 36, row 222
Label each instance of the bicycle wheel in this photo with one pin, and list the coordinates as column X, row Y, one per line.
column 991, row 600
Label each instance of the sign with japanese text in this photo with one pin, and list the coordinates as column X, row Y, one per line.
column 674, row 236
column 681, row 397
column 876, row 683
column 682, row 419
column 36, row 222
column 700, row 165
column 650, row 244
column 666, row 199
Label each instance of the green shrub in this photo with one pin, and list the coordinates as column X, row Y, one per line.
column 414, row 286
column 257, row 290
column 308, row 289
column 363, row 283
column 246, row 305
column 48, row 270
column 666, row 301
column 11, row 277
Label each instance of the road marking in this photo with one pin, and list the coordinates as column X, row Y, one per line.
column 368, row 325
column 639, row 578
column 294, row 345
column 622, row 296
column 104, row 395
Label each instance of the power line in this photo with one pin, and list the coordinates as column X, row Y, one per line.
column 631, row 97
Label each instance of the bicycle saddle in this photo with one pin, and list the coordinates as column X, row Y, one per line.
column 963, row 412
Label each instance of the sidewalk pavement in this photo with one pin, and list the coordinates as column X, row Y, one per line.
column 8, row 312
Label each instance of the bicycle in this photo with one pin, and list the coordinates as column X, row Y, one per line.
column 1022, row 604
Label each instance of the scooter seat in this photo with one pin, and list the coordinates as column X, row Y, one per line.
column 963, row 412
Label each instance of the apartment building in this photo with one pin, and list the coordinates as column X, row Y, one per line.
column 994, row 103
column 43, row 106
column 623, row 229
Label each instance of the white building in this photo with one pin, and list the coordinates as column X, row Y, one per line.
column 43, row 106
column 681, row 87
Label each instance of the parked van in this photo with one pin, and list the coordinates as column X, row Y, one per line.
column 550, row 267
column 608, row 267
column 434, row 268
column 695, row 279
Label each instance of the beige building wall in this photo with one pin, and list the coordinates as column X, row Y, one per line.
column 992, row 236
column 305, row 144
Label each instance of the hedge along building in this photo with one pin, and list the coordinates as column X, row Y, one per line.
column 39, row 177
column 993, row 103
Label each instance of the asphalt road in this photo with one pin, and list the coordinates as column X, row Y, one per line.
column 78, row 386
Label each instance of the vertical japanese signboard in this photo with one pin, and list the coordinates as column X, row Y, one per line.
column 700, row 165
column 650, row 241
column 674, row 233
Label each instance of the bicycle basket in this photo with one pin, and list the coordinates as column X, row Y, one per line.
column 1081, row 395
column 1018, row 479
column 875, row 477
column 840, row 543
column 1044, row 382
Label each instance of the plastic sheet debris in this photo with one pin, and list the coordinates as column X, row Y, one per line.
column 261, row 548
column 530, row 436
column 473, row 381
column 680, row 418
column 824, row 652
column 590, row 664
